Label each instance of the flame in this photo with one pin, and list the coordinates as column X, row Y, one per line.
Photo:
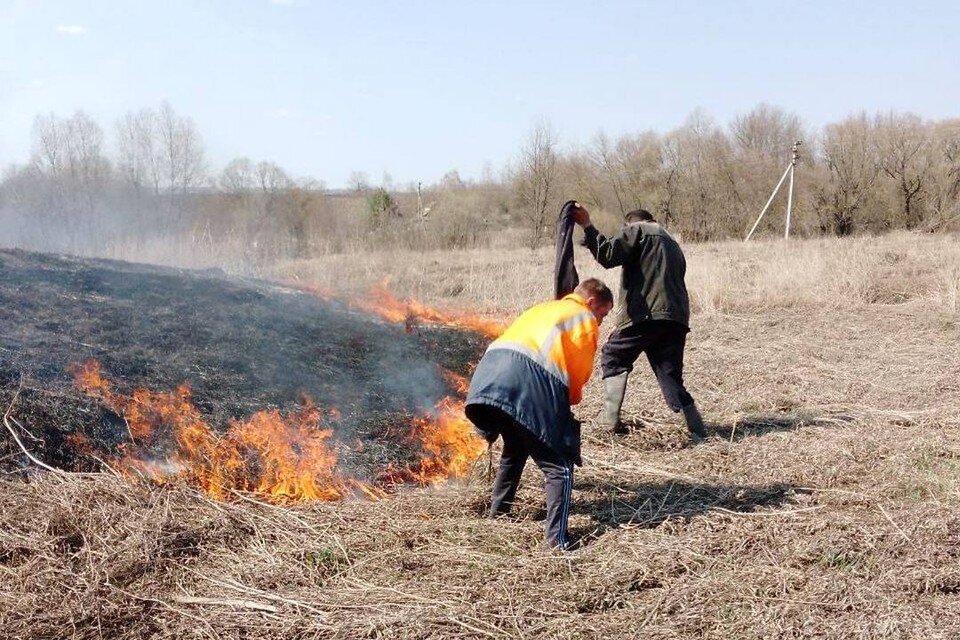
column 281, row 458
column 452, row 447
column 385, row 304
column 293, row 460
column 382, row 302
column 457, row 381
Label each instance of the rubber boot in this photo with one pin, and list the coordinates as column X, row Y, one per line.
column 615, row 387
column 694, row 422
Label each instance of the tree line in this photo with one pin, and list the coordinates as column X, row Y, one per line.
column 149, row 180
column 864, row 174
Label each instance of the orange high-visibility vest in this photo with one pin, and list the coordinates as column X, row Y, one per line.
column 561, row 336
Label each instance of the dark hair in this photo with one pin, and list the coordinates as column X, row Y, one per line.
column 638, row 215
column 593, row 288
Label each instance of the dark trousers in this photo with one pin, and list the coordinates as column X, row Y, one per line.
column 663, row 342
column 518, row 445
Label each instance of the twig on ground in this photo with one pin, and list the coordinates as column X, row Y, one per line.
column 895, row 525
column 242, row 604
column 16, row 438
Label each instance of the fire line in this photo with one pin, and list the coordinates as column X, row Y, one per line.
column 282, row 458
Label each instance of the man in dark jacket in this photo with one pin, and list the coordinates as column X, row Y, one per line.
column 653, row 314
column 522, row 390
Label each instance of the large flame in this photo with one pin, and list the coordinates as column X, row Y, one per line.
column 382, row 302
column 281, row 458
column 451, row 445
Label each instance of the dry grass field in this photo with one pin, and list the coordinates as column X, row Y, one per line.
column 826, row 504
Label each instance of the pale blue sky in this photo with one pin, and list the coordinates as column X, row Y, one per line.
column 417, row 88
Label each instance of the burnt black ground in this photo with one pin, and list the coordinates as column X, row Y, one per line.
column 242, row 344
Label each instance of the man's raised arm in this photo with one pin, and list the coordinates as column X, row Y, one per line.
column 609, row 252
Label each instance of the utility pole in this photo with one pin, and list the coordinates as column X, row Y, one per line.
column 791, row 168
column 419, row 203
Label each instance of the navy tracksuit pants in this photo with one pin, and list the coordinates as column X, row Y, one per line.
column 663, row 341
column 518, row 445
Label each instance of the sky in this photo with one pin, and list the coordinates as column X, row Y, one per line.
column 415, row 88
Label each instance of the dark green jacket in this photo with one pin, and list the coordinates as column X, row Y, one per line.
column 651, row 283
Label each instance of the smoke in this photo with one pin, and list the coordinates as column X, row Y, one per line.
column 242, row 345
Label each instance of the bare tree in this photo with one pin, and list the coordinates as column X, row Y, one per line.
column 68, row 154
column 49, row 145
column 761, row 142
column 238, row 184
column 386, row 181
column 852, row 171
column 451, row 181
column 87, row 165
column 766, row 131
column 300, row 206
column 535, row 180
column 701, row 152
column 672, row 161
column 182, row 152
column 271, row 178
column 358, row 181
column 582, row 178
column 238, row 177
column 272, row 181
column 163, row 152
column 603, row 156
column 139, row 158
column 943, row 153
column 638, row 159
column 900, row 140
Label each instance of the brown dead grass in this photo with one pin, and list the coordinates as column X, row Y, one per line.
column 825, row 506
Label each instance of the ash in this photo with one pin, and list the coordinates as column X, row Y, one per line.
column 242, row 344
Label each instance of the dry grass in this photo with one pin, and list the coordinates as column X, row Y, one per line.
column 826, row 505
column 723, row 277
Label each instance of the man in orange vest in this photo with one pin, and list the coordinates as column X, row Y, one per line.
column 522, row 391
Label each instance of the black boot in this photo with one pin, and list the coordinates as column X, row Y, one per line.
column 615, row 387
column 694, row 422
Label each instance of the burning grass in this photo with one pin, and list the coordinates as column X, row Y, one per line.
column 382, row 302
column 282, row 458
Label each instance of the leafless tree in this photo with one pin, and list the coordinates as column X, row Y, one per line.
column 672, row 162
column 850, row 157
column 580, row 177
column 87, row 165
column 68, row 154
column 943, row 151
column 536, row 179
column 358, row 181
column 767, row 131
column 271, row 178
column 162, row 153
column 901, row 139
column 639, row 160
column 139, row 158
column 238, row 177
column 701, row 152
column 49, row 145
column 182, row 151
column 451, row 181
column 603, row 157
